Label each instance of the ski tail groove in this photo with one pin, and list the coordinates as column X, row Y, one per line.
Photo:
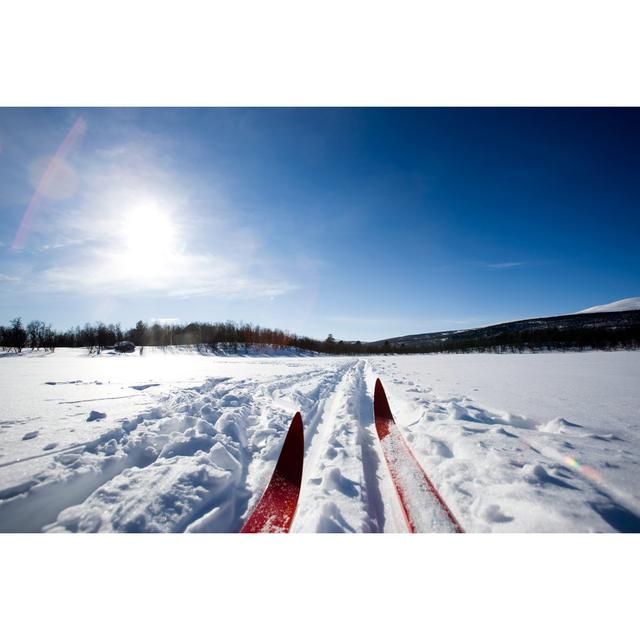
column 406, row 471
column 275, row 511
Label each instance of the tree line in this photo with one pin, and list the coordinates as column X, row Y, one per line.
column 211, row 335
column 39, row 335
column 36, row 335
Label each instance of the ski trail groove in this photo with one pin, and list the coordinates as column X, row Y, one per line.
column 341, row 489
column 371, row 462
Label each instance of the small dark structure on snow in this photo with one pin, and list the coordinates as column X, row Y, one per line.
column 125, row 346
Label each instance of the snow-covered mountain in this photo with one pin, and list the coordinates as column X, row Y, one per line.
column 628, row 304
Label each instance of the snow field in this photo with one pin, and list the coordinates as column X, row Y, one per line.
column 502, row 471
column 180, row 442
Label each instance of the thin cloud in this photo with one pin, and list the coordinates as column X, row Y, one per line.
column 183, row 275
column 505, row 265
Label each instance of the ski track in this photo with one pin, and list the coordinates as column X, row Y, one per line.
column 196, row 462
column 200, row 459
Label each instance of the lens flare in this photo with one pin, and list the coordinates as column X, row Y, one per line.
column 44, row 184
column 589, row 472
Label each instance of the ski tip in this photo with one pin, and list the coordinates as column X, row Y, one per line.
column 291, row 457
column 297, row 427
column 276, row 509
column 380, row 403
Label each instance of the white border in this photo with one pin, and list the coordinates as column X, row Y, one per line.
column 319, row 586
column 333, row 52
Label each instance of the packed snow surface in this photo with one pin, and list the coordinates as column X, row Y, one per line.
column 179, row 441
column 628, row 304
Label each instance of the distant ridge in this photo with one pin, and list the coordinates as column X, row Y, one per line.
column 602, row 330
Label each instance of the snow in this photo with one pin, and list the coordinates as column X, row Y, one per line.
column 628, row 304
column 177, row 440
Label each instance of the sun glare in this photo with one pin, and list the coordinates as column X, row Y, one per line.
column 149, row 239
column 148, row 228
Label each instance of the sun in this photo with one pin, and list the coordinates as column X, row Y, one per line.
column 148, row 228
column 148, row 237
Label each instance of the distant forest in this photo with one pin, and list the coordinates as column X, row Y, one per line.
column 38, row 335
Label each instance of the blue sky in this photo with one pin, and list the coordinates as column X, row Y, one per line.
column 367, row 223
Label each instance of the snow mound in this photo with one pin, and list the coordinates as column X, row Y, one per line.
column 628, row 304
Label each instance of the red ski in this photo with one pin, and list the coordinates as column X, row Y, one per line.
column 274, row 513
column 423, row 507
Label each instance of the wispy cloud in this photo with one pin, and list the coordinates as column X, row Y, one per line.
column 102, row 272
column 505, row 265
column 5, row 278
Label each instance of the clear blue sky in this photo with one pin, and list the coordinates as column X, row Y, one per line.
column 367, row 223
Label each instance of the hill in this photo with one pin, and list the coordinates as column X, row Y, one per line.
column 603, row 330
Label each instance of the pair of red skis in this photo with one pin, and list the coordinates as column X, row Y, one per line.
column 422, row 506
